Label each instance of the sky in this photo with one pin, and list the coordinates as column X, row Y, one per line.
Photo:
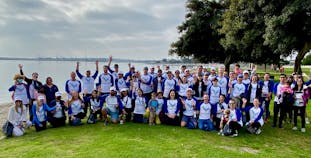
column 94, row 28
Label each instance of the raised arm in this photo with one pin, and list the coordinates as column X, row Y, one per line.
column 77, row 71
column 28, row 80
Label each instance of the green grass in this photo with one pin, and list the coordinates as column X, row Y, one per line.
column 141, row 140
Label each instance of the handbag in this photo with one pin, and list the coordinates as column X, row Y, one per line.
column 7, row 129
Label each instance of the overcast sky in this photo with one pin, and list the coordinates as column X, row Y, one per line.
column 93, row 28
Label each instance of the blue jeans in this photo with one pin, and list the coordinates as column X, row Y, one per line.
column 190, row 120
column 206, row 125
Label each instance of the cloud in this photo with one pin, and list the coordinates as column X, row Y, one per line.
column 74, row 28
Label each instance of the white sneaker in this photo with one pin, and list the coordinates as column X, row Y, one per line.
column 307, row 120
column 303, row 130
column 295, row 128
column 121, row 122
column 258, row 131
column 234, row 135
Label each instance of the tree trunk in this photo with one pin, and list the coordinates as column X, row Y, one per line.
column 300, row 56
column 227, row 63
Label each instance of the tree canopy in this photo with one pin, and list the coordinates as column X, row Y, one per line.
column 242, row 30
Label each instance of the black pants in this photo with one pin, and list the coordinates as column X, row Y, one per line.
column 302, row 111
column 86, row 104
column 289, row 112
column 128, row 116
column 278, row 108
column 217, row 123
column 147, row 95
column 256, row 125
column 266, row 103
column 170, row 121
column 80, row 115
column 138, row 118
column 234, row 126
column 38, row 128
column 58, row 122
column 98, row 112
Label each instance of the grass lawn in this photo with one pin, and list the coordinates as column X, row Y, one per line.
column 141, row 140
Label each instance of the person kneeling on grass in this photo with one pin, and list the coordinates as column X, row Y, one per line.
column 95, row 102
column 39, row 113
column 18, row 117
column 256, row 120
column 75, row 110
column 58, row 117
column 205, row 116
column 189, row 115
column 235, row 119
column 112, row 107
column 171, row 108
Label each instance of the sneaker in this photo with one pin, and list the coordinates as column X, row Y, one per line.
column 234, row 135
column 121, row 122
column 280, row 126
column 273, row 126
column 303, row 130
column 105, row 123
column 258, row 131
column 295, row 128
column 307, row 120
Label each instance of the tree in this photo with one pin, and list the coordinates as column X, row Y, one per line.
column 243, row 27
column 288, row 26
column 199, row 36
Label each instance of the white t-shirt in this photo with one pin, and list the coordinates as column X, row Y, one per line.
column 205, row 111
column 140, row 105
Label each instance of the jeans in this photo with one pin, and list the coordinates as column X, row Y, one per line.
column 206, row 125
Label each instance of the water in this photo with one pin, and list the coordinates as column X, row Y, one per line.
column 58, row 70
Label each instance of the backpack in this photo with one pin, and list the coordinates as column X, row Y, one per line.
column 7, row 129
column 226, row 130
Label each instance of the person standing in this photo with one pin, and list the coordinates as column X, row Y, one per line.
column 88, row 81
column 266, row 94
column 72, row 85
column 105, row 81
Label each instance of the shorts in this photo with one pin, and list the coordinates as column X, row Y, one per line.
column 113, row 115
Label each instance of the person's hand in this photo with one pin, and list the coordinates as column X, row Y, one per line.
column 117, row 105
column 244, row 100
column 40, row 125
column 96, row 62
column 234, row 120
column 20, row 66
column 193, row 103
column 110, row 58
column 99, row 88
column 72, row 118
column 251, row 122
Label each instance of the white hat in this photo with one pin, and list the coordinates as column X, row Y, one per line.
column 132, row 66
column 17, row 99
column 189, row 89
column 120, row 72
column 213, row 68
column 58, row 94
column 245, row 72
column 112, row 89
column 41, row 97
column 124, row 89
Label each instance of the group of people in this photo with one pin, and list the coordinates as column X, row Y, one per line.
column 209, row 100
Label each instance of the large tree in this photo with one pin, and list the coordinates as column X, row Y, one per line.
column 199, row 36
column 243, row 27
column 288, row 27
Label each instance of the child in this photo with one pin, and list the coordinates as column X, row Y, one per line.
column 152, row 107
column 160, row 106
column 221, row 107
column 224, row 120
column 39, row 113
column 205, row 115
